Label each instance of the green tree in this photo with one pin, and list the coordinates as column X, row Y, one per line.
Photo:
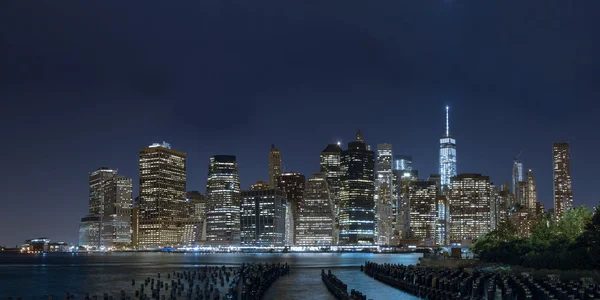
column 573, row 223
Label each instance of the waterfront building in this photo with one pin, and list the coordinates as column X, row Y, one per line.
column 275, row 166
column 90, row 232
column 223, row 201
column 193, row 228
column 292, row 184
column 469, row 207
column 383, row 194
column 38, row 245
column 315, row 219
column 422, row 203
column 263, row 218
column 447, row 155
column 331, row 166
column 357, row 204
column 99, row 180
column 563, row 190
column 116, row 221
column 162, row 204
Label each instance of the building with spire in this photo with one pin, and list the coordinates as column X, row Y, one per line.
column 357, row 203
column 563, row 189
column 223, row 201
column 275, row 165
column 447, row 155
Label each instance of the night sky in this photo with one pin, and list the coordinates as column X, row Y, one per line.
column 86, row 84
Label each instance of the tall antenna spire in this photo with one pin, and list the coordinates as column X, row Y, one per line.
column 447, row 122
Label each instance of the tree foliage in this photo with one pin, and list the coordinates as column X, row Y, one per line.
column 572, row 242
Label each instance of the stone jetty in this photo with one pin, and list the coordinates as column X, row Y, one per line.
column 444, row 283
column 338, row 288
column 248, row 282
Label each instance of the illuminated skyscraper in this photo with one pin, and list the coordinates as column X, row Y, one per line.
column 99, row 180
column 402, row 166
column 330, row 166
column 469, row 207
column 315, row 219
column 110, row 205
column 357, row 204
column 516, row 179
column 531, row 192
column 563, row 191
column 275, row 165
column 422, row 198
column 223, row 201
column 263, row 218
column 500, row 205
column 118, row 205
column 162, row 196
column 194, row 226
column 292, row 184
column 402, row 162
column 447, row 155
column 383, row 194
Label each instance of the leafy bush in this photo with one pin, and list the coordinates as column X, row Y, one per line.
column 571, row 243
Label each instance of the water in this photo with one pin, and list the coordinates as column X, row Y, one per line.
column 37, row 276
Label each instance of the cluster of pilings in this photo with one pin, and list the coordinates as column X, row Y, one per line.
column 424, row 282
column 204, row 283
column 338, row 288
column 257, row 278
column 445, row 283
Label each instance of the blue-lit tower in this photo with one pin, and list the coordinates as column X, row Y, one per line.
column 447, row 155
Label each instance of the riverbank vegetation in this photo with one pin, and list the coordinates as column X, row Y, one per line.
column 571, row 243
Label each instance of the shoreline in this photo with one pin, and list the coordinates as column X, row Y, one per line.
column 470, row 264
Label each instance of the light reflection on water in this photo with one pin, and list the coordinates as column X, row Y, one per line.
column 35, row 277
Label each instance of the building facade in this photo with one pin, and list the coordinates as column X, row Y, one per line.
column 357, row 203
column 315, row 219
column 422, row 202
column 383, row 195
column 90, row 233
column 469, row 207
column 162, row 196
column 517, row 177
column 447, row 155
column 330, row 165
column 118, row 205
column 275, row 165
column 563, row 189
column 292, row 184
column 223, row 201
column 263, row 218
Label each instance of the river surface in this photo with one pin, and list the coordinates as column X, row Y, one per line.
column 37, row 276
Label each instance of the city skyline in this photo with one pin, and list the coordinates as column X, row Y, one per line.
column 92, row 84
